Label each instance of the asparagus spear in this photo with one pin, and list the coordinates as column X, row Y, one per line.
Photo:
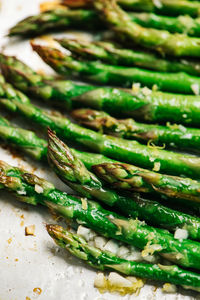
column 72, row 171
column 129, row 177
column 61, row 18
column 59, row 92
column 36, row 148
column 181, row 24
column 57, row 18
column 4, row 121
column 166, row 7
column 33, row 190
column 112, row 54
column 171, row 135
column 151, row 211
column 137, row 103
column 7, row 91
column 104, row 260
column 160, row 40
column 29, row 143
column 120, row 149
column 116, row 75
column 25, row 140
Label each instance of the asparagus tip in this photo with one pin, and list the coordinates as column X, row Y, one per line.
column 59, row 155
column 51, row 134
column 53, row 229
column 36, row 47
column 53, row 140
column 82, row 113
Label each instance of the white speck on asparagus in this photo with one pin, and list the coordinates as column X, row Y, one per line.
column 181, row 234
column 39, row 189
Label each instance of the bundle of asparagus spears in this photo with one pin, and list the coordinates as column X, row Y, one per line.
column 145, row 171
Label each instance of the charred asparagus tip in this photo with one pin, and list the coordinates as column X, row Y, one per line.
column 53, row 229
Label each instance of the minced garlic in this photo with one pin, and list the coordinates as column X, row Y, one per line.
column 84, row 203
column 117, row 283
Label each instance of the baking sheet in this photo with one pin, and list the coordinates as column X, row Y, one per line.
column 33, row 267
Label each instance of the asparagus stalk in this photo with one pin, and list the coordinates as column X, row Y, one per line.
column 7, row 91
column 181, row 24
column 176, row 136
column 57, row 18
column 151, row 211
column 62, row 18
column 137, row 103
column 105, row 260
column 3, row 122
column 116, row 148
column 36, row 148
column 25, row 140
column 72, row 171
column 33, row 190
column 160, row 40
column 110, row 53
column 166, row 7
column 129, row 177
column 58, row 92
column 116, row 75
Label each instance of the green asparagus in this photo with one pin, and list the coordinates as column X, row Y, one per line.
column 57, row 18
column 72, row 171
column 59, row 92
column 36, row 148
column 105, row 260
column 137, row 103
column 129, row 177
column 34, row 190
column 117, row 75
column 160, row 40
column 4, row 122
column 181, row 24
column 151, row 211
column 62, row 18
column 112, row 54
column 25, row 140
column 175, row 135
column 120, row 149
column 166, row 7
